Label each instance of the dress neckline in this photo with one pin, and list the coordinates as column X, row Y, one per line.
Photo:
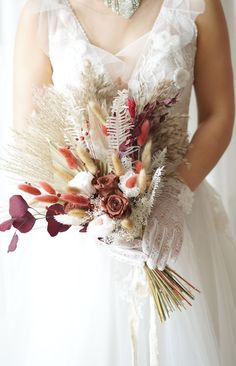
column 146, row 34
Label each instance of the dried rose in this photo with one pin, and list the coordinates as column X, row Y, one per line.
column 116, row 205
column 107, row 184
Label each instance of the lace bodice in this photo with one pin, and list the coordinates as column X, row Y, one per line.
column 165, row 51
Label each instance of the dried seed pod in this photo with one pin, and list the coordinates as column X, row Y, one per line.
column 142, row 180
column 87, row 160
column 47, row 198
column 127, row 224
column 28, row 188
column 138, row 166
column 61, row 174
column 72, row 190
column 47, row 187
column 147, row 155
column 131, row 107
column 118, row 167
column 78, row 199
column 145, row 129
column 78, row 212
column 69, row 156
column 97, row 111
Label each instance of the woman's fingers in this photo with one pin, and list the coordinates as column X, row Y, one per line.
column 167, row 244
column 158, row 241
column 177, row 244
column 130, row 256
column 149, row 235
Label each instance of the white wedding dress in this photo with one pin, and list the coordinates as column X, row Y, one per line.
column 65, row 301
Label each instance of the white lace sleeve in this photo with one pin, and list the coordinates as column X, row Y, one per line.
column 49, row 19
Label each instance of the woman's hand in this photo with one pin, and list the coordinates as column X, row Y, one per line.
column 163, row 235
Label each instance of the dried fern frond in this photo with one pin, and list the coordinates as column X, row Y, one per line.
column 119, row 124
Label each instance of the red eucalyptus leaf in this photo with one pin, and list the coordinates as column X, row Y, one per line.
column 6, row 225
column 53, row 210
column 25, row 223
column 13, row 244
column 18, row 206
column 55, row 227
column 84, row 228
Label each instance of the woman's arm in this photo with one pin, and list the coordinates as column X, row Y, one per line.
column 215, row 96
column 32, row 67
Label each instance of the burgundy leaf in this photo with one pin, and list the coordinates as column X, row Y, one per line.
column 6, row 225
column 25, row 223
column 55, row 227
column 18, row 206
column 13, row 244
column 84, row 228
column 55, row 209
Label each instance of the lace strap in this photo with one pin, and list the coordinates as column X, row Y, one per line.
column 76, row 19
column 193, row 7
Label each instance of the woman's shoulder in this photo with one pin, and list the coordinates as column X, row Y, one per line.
column 32, row 7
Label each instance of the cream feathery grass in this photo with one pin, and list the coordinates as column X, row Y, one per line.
column 147, row 155
column 117, row 164
column 87, row 160
column 142, row 180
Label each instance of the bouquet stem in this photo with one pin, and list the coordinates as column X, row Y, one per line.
column 169, row 290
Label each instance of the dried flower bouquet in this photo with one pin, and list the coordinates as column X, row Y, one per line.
column 97, row 158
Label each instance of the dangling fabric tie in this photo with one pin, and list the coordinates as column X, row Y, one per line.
column 153, row 335
column 140, row 289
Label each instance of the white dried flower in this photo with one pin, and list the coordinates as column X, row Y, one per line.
column 132, row 191
column 101, row 226
column 181, row 77
column 69, row 220
column 83, row 182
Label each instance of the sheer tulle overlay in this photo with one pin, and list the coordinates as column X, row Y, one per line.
column 66, row 301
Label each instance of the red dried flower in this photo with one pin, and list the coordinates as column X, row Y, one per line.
column 145, row 129
column 132, row 107
column 47, row 187
column 69, row 156
column 28, row 188
column 78, row 199
column 107, row 184
column 116, row 205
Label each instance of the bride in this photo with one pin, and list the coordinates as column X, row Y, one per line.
column 69, row 302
